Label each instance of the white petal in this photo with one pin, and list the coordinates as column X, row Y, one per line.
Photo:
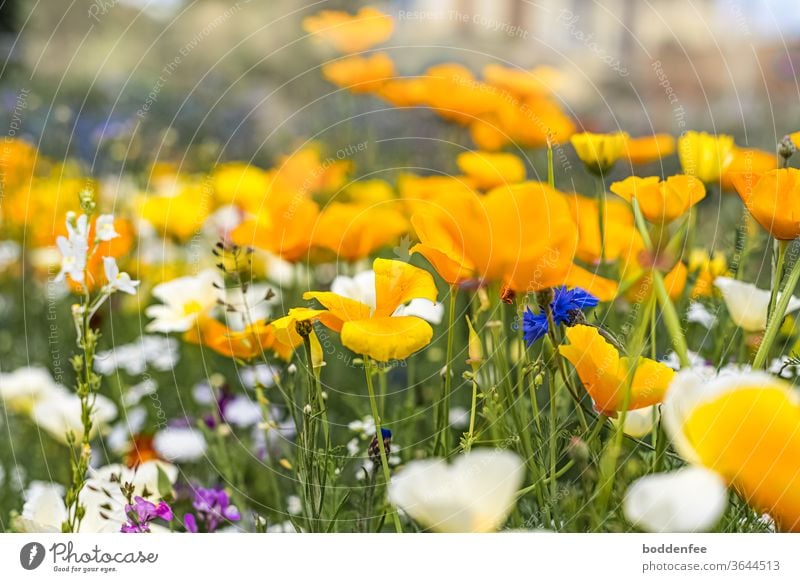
column 180, row 444
column 640, row 422
column 424, row 309
column 747, row 304
column 44, row 509
column 687, row 500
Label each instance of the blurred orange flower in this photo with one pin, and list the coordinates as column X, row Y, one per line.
column 350, row 33
column 353, row 231
column 619, row 234
column 661, row 201
column 488, row 170
column 360, row 74
column 643, row 150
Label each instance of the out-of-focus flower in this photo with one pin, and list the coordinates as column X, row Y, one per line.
column 118, row 281
column 647, row 149
column 703, row 155
column 44, row 510
column 240, row 184
column 183, row 300
column 750, row 163
column 698, row 313
column 354, row 231
column 522, row 236
column 142, row 512
column 771, row 199
column 19, row 160
column 58, row 412
column 158, row 352
column 605, row 374
column 360, row 74
column 180, row 444
column 599, row 151
column 247, row 343
column 488, row 169
column 178, row 214
column 740, row 429
column 104, row 227
column 620, row 231
column 212, row 508
column 566, row 307
column 747, row 304
column 350, row 33
column 472, row 495
column 522, row 84
column 74, row 248
column 708, row 268
column 23, row 387
column 369, row 192
column 639, row 422
column 636, row 272
column 661, row 202
column 377, row 332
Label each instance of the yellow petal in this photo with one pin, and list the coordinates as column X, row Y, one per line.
column 340, row 308
column 386, row 338
column 397, row 283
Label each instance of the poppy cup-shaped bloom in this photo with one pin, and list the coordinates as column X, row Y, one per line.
column 489, row 169
column 737, row 429
column 360, row 74
column 707, row 267
column 605, row 374
column 646, row 149
column 353, row 230
column 522, row 236
column 472, row 495
column 376, row 330
column 703, row 155
column 747, row 304
column 748, row 162
column 772, row 199
column 661, row 201
column 620, row 232
column 350, row 33
column 599, row 151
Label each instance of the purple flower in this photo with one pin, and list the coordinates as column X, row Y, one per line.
column 212, row 507
column 142, row 512
column 565, row 306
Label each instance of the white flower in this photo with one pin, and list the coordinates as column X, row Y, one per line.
column 59, row 412
column 293, row 505
column 747, row 304
column 184, row 299
column 279, row 270
column 474, row 494
column 249, row 306
column 180, row 444
column 121, row 434
column 697, row 313
column 74, row 248
column 640, row 422
column 104, row 228
column 162, row 353
column 118, row 281
column 687, row 500
column 242, row 412
column 44, row 510
column 23, row 387
column 10, row 252
column 422, row 308
column 261, row 374
column 459, row 417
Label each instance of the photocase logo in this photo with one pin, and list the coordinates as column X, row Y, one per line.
column 31, row 555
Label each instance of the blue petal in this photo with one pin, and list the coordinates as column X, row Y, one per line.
column 534, row 326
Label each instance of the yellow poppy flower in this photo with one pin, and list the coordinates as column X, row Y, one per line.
column 19, row 160
column 530, row 123
column 354, row 231
column 708, row 268
column 456, row 95
column 537, row 82
column 488, row 170
column 599, row 151
column 283, row 227
column 522, row 236
column 403, row 92
column 369, row 192
column 661, row 201
column 703, row 155
column 745, row 427
column 241, row 184
column 360, row 74
column 750, row 162
column 372, row 330
column 306, row 173
column 647, row 149
column 180, row 216
column 605, row 374
column 619, row 233
column 350, row 33
column 772, row 200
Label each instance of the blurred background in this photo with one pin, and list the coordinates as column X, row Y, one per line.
column 125, row 81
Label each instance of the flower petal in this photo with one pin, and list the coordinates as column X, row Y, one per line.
column 386, row 338
column 397, row 283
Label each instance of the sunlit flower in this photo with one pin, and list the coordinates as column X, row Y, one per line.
column 360, row 74
column 179, row 213
column 707, row 268
column 605, row 374
column 522, row 236
column 350, row 33
column 183, row 301
column 747, row 304
column 488, row 170
column 74, row 248
column 377, row 332
column 240, row 184
column 647, row 149
column 599, row 151
column 566, row 307
column 771, row 198
column 474, row 494
column 659, row 201
column 354, row 231
column 639, row 422
column 703, row 155
column 118, row 281
column 104, row 227
column 619, row 228
column 738, row 429
column 750, row 163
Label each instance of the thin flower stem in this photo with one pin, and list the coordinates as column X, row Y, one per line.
column 779, row 257
column 379, row 436
column 442, row 433
column 776, row 320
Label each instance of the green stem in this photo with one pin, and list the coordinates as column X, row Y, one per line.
column 442, row 434
column 776, row 320
column 779, row 257
column 379, row 433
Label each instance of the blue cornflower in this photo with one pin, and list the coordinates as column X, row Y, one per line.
column 563, row 307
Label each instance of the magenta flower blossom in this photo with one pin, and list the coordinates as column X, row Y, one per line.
column 212, row 507
column 142, row 512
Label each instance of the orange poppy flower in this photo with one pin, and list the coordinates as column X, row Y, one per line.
column 772, row 200
column 643, row 150
column 661, row 201
column 360, row 74
column 350, row 33
column 353, row 231
column 750, row 162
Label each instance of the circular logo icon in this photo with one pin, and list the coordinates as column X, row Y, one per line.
column 31, row 555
